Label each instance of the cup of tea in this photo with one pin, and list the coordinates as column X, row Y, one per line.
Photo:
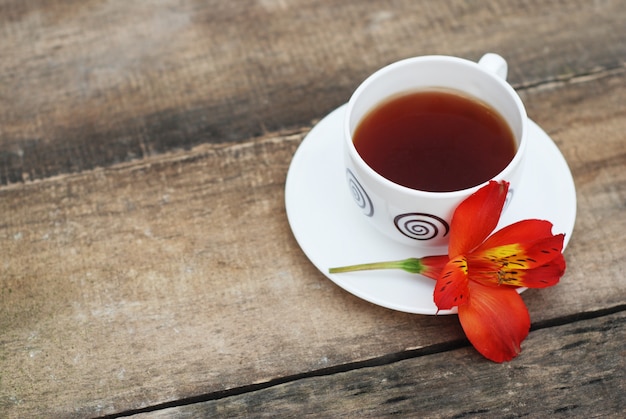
column 424, row 133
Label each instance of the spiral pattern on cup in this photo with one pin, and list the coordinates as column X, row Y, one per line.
column 359, row 195
column 420, row 226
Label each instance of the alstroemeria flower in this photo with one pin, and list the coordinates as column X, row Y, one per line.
column 481, row 273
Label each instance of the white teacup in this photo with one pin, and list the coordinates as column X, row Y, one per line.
column 417, row 217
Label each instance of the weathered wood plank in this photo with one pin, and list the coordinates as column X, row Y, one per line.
column 87, row 84
column 143, row 283
column 574, row 370
column 176, row 274
column 583, row 118
column 139, row 284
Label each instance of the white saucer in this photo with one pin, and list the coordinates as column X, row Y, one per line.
column 332, row 232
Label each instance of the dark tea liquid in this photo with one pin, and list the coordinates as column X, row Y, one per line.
column 435, row 140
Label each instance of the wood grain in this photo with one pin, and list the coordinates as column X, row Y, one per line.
column 87, row 84
column 144, row 283
column 145, row 255
column 182, row 273
column 574, row 370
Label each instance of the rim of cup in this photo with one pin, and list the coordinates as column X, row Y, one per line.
column 502, row 175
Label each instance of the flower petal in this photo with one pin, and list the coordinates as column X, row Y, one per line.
column 525, row 256
column 476, row 217
column 540, row 277
column 495, row 321
column 484, row 270
column 515, row 264
column 543, row 250
column 519, row 232
column 451, row 288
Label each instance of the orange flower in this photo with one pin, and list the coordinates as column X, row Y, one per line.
column 481, row 273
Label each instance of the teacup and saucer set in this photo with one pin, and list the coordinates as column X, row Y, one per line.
column 343, row 212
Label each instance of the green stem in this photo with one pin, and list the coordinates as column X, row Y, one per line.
column 412, row 265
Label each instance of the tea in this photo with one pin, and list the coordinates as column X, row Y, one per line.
column 435, row 140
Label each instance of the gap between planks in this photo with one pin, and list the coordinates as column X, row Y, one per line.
column 596, row 74
column 368, row 363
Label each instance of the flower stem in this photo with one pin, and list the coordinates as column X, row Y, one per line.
column 412, row 265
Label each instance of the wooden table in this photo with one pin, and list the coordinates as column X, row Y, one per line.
column 147, row 267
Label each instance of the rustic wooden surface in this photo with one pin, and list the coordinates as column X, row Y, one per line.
column 455, row 383
column 146, row 263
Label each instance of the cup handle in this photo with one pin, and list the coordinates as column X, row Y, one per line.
column 494, row 64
